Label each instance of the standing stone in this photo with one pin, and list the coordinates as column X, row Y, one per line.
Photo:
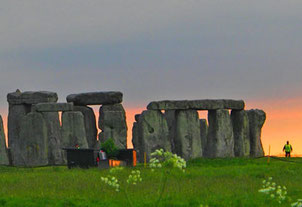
column 152, row 133
column 90, row 124
column 171, row 120
column 241, row 130
column 33, row 141
column 15, row 115
column 3, row 152
column 256, row 121
column 187, row 140
column 203, row 135
column 73, row 130
column 54, row 137
column 220, row 135
column 112, row 122
column 135, row 140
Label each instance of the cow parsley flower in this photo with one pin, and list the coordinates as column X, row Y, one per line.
column 269, row 188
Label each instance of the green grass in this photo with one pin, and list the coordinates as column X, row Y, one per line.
column 215, row 182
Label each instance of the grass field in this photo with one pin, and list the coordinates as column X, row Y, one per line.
column 212, row 182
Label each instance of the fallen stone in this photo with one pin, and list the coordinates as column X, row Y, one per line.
column 187, row 140
column 241, row 130
column 205, row 104
column 33, row 141
column 220, row 141
column 90, row 124
column 112, row 122
column 153, row 133
column 31, row 97
column 53, row 107
column 96, row 98
column 203, row 135
column 73, row 130
column 15, row 115
column 256, row 121
column 3, row 152
column 54, row 137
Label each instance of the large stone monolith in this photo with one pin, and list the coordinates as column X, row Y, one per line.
column 3, row 152
column 187, row 140
column 15, row 115
column 135, row 140
column 54, row 137
column 241, row 131
column 152, row 133
column 33, row 141
column 203, row 135
column 73, row 130
column 112, row 122
column 256, row 121
column 171, row 121
column 220, row 141
column 90, row 124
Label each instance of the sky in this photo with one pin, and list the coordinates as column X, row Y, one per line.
column 156, row 50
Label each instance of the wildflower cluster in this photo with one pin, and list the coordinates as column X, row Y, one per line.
column 134, row 177
column 160, row 158
column 111, row 181
column 275, row 192
column 297, row 204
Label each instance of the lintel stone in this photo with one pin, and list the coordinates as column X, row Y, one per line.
column 95, row 98
column 53, row 107
column 31, row 97
column 205, row 104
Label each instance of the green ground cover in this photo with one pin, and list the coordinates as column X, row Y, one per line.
column 212, row 182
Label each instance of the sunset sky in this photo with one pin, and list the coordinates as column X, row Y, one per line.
column 155, row 50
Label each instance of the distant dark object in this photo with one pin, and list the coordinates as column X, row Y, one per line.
column 83, row 158
column 128, row 156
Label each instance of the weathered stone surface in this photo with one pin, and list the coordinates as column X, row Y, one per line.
column 187, row 140
column 53, row 107
column 256, row 121
column 73, row 130
column 96, row 98
column 135, row 140
column 241, row 131
column 203, row 135
column 136, row 117
column 54, row 137
column 33, row 141
column 15, row 115
column 220, row 142
column 3, row 152
column 90, row 124
column 112, row 122
column 153, row 133
column 205, row 104
column 170, row 116
column 31, row 97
